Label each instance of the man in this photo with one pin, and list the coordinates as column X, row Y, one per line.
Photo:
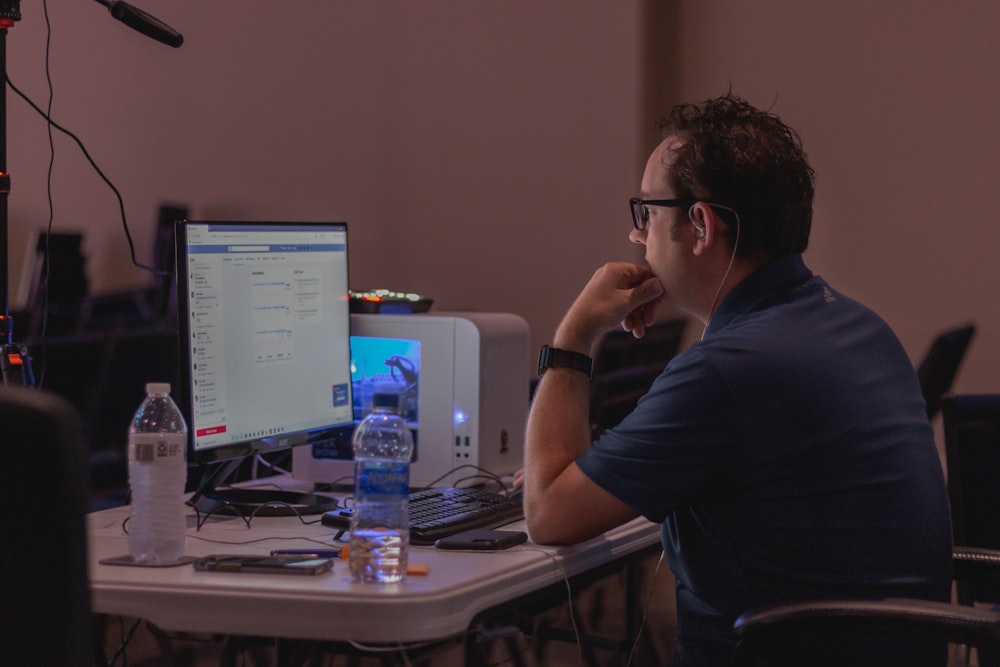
column 787, row 454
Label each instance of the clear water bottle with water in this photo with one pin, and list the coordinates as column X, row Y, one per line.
column 157, row 472
column 380, row 526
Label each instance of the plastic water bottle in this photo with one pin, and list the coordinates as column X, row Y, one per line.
column 157, row 473
column 380, row 525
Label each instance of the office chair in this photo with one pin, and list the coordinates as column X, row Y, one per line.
column 897, row 632
column 972, row 452
column 887, row 632
column 940, row 365
column 44, row 595
column 972, row 455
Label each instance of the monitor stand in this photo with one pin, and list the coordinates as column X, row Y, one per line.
column 248, row 503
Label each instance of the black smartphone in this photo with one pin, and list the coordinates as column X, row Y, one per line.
column 281, row 564
column 483, row 539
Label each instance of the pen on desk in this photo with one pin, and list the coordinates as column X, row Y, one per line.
column 315, row 553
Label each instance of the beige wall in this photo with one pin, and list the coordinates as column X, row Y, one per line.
column 482, row 152
column 897, row 103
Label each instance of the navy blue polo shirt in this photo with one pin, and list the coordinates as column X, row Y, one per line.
column 788, row 456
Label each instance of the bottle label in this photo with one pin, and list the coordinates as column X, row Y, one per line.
column 382, row 478
column 157, row 447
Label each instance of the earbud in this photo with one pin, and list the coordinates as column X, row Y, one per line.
column 699, row 230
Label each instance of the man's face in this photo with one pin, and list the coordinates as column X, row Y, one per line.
column 667, row 243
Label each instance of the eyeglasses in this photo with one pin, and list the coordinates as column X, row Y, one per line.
column 640, row 210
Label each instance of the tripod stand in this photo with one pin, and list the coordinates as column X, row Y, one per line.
column 15, row 359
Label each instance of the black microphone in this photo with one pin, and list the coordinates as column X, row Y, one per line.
column 144, row 23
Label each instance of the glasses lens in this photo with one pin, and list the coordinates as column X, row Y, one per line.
column 640, row 214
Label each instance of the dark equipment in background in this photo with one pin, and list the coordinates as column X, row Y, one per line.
column 17, row 364
column 145, row 306
column 103, row 375
column 57, row 285
column 625, row 367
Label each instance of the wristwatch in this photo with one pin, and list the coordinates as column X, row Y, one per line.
column 553, row 357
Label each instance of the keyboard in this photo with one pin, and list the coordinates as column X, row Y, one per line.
column 443, row 511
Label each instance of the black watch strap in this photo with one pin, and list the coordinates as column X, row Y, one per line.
column 553, row 357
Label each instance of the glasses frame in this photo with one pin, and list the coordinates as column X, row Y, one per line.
column 640, row 213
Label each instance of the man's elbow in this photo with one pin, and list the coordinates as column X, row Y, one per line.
column 565, row 519
column 548, row 528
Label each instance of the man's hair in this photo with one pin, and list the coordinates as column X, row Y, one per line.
column 734, row 154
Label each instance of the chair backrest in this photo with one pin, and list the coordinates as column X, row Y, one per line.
column 972, row 454
column 45, row 608
column 861, row 633
column 940, row 365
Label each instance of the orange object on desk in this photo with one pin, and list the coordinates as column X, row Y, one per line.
column 412, row 569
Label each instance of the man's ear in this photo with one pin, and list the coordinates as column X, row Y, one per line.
column 697, row 221
column 706, row 223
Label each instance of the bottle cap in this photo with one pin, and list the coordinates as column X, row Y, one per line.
column 157, row 387
column 383, row 400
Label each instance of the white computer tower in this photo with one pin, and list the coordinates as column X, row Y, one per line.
column 464, row 383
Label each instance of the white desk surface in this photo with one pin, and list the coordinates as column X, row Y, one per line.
column 330, row 606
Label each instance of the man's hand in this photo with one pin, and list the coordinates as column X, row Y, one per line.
column 618, row 293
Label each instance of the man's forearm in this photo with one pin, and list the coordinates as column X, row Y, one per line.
column 558, row 431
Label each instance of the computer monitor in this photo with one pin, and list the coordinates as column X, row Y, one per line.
column 263, row 314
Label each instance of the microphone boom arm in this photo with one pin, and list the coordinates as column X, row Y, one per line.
column 142, row 22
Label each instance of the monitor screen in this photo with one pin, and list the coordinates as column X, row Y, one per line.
column 264, row 319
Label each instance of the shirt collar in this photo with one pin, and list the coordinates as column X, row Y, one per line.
column 778, row 275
